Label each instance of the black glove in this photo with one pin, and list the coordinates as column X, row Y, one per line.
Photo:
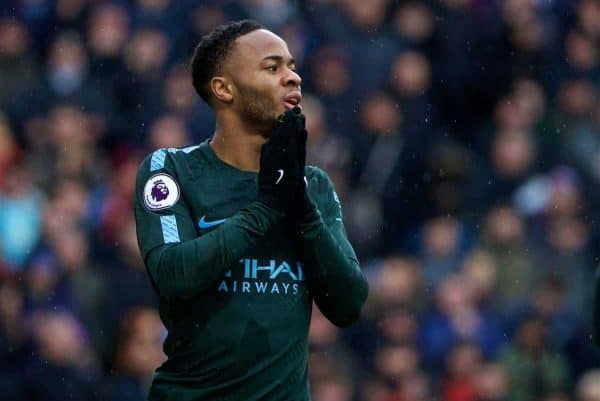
column 303, row 204
column 279, row 167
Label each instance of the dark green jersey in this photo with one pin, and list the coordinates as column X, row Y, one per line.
column 236, row 280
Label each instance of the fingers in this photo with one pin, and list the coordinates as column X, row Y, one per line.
column 279, row 169
column 290, row 134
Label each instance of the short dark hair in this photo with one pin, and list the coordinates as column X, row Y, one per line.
column 213, row 49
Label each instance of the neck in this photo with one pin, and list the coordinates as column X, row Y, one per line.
column 237, row 144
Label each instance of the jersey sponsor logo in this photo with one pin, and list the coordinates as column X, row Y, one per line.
column 203, row 224
column 271, row 268
column 160, row 192
column 264, row 277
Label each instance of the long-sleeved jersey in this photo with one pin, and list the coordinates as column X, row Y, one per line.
column 236, row 279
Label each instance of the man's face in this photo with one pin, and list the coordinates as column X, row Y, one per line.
column 262, row 72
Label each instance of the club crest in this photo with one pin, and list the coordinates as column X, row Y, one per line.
column 160, row 192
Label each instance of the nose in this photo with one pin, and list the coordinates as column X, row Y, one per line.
column 292, row 79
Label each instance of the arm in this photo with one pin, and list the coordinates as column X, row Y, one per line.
column 180, row 263
column 337, row 282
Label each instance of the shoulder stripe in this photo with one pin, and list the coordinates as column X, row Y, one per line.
column 158, row 159
column 169, row 229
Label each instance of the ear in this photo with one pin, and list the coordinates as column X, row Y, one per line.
column 222, row 89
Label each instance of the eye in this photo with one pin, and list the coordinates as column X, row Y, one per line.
column 272, row 68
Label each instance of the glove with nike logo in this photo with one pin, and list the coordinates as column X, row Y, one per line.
column 279, row 168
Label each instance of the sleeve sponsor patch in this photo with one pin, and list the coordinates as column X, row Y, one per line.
column 160, row 192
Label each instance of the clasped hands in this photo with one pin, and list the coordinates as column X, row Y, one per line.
column 282, row 184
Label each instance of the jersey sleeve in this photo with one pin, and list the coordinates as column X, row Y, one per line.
column 337, row 282
column 181, row 263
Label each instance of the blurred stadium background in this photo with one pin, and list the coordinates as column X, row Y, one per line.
column 463, row 137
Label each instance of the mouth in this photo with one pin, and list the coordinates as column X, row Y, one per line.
column 292, row 100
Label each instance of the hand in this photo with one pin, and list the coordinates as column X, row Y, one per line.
column 303, row 204
column 279, row 166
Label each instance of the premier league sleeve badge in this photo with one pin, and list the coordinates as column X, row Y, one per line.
column 160, row 192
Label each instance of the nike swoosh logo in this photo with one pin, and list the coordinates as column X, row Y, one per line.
column 208, row 224
column 281, row 172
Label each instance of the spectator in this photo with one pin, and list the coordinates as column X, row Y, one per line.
column 588, row 388
column 328, row 356
column 64, row 364
column 15, row 342
column 180, row 100
column 534, row 370
column 68, row 79
column 68, row 148
column 492, row 383
column 20, row 218
column 456, row 318
column 414, row 22
column 441, row 250
column 107, row 33
column 336, row 388
column 331, row 77
column 18, row 71
column 10, row 152
column 462, row 364
column 504, row 239
column 138, row 351
column 125, row 275
column 145, row 57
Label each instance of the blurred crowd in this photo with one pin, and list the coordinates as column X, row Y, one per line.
column 463, row 137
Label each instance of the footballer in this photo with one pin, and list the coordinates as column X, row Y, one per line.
column 239, row 237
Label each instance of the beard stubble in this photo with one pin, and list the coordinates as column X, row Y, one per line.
column 257, row 108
